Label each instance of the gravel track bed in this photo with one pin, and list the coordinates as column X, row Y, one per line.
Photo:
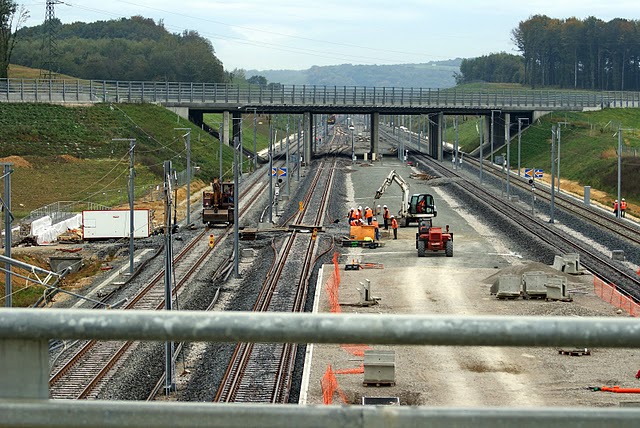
column 205, row 363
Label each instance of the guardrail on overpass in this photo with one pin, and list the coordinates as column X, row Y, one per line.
column 24, row 372
column 212, row 95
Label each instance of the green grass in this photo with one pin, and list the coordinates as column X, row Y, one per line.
column 588, row 148
column 73, row 156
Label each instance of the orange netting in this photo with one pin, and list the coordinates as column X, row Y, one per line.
column 329, row 382
column 610, row 294
column 357, row 370
column 357, row 350
column 330, row 386
column 332, row 285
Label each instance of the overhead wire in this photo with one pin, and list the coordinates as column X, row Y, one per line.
column 279, row 47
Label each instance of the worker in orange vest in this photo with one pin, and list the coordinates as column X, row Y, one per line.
column 368, row 215
column 615, row 207
column 376, row 229
column 394, row 226
column 386, row 215
column 355, row 214
column 623, row 208
column 359, row 212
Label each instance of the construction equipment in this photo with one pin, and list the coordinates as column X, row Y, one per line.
column 431, row 238
column 361, row 236
column 420, row 206
column 217, row 204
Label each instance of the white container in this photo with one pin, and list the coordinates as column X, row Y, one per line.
column 106, row 224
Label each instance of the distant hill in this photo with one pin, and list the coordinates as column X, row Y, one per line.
column 438, row 74
column 135, row 48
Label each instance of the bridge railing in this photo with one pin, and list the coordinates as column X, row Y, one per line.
column 24, row 372
column 219, row 94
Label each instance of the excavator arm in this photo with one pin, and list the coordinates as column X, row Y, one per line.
column 395, row 177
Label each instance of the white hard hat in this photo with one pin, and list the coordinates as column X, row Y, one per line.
column 374, row 219
column 392, row 216
column 384, row 206
column 623, row 199
column 360, row 207
column 616, row 200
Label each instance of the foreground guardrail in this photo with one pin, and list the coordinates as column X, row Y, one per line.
column 233, row 96
column 24, row 369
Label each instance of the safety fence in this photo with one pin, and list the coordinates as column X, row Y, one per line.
column 24, row 372
column 610, row 294
column 329, row 382
column 226, row 95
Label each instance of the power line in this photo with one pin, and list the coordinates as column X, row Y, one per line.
column 50, row 41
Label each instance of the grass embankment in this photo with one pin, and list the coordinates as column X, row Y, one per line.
column 63, row 153
column 69, row 153
column 588, row 150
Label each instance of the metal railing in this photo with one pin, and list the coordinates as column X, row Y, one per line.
column 24, row 370
column 63, row 209
column 221, row 95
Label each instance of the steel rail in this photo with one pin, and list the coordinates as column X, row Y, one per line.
column 104, row 357
column 258, row 360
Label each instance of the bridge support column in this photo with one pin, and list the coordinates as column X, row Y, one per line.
column 308, row 137
column 497, row 132
column 434, row 131
column 225, row 128
column 486, row 137
column 24, row 371
column 374, row 129
column 236, row 128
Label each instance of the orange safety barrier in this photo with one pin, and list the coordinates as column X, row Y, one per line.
column 329, row 385
column 619, row 390
column 610, row 294
column 357, row 350
column 329, row 382
column 351, row 371
column 332, row 285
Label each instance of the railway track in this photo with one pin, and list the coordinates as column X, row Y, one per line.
column 261, row 372
column 599, row 264
column 81, row 374
column 627, row 230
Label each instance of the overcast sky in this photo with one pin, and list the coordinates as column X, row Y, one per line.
column 290, row 34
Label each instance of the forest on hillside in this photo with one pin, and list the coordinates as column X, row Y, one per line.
column 567, row 53
column 133, row 48
column 437, row 74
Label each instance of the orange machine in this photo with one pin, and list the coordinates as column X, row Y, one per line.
column 431, row 238
column 362, row 233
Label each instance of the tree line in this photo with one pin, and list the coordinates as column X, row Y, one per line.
column 494, row 68
column 567, row 53
column 133, row 48
column 585, row 54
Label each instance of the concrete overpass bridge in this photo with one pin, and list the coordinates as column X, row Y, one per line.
column 500, row 108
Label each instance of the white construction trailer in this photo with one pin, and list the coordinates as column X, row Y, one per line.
column 106, row 224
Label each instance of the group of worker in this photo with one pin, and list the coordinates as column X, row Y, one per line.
column 358, row 217
column 620, row 210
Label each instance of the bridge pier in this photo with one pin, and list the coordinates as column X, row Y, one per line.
column 236, row 124
column 374, row 128
column 434, row 131
column 225, row 128
column 308, row 136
